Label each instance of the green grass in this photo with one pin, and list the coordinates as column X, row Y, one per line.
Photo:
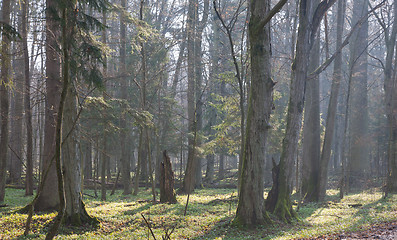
column 209, row 215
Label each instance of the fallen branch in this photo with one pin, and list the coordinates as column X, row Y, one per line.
column 148, row 225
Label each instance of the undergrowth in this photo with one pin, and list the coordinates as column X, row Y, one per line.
column 209, row 214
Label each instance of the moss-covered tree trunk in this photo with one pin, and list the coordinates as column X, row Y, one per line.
column 278, row 201
column 250, row 209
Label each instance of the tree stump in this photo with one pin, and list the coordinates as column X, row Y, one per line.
column 167, row 192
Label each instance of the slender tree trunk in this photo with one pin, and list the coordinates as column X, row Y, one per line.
column 125, row 172
column 28, row 110
column 278, row 200
column 330, row 128
column 104, row 158
column 4, row 98
column 16, row 111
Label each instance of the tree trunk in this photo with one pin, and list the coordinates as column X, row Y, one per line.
column 75, row 213
column 311, row 130
column 28, row 110
column 48, row 199
column 358, row 121
column 4, row 99
column 125, row 172
column 278, row 200
column 391, row 105
column 104, row 157
column 198, row 87
column 16, row 118
column 87, row 146
column 189, row 178
column 330, row 127
column 167, row 192
column 250, row 209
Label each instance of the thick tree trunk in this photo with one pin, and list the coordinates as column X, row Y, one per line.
column 4, row 99
column 198, row 88
column 358, row 121
column 250, row 209
column 309, row 21
column 278, row 200
column 167, row 192
column 190, row 177
column 48, row 199
column 75, row 213
column 311, row 130
column 391, row 105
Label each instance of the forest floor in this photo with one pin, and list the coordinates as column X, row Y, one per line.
column 209, row 214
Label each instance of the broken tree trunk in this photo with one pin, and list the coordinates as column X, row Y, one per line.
column 167, row 192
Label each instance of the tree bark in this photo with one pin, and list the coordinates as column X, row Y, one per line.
column 4, row 98
column 358, row 121
column 125, row 172
column 250, row 209
column 16, row 111
column 189, row 178
column 48, row 199
column 278, row 201
column 391, row 103
column 330, row 127
column 311, row 130
column 167, row 192
column 28, row 110
column 75, row 213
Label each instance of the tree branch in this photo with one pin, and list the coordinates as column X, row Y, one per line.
column 345, row 42
column 321, row 9
column 271, row 13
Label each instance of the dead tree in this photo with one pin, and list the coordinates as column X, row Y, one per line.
column 167, row 192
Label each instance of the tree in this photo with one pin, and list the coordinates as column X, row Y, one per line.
column 48, row 199
column 4, row 98
column 189, row 178
column 278, row 201
column 390, row 87
column 28, row 110
column 333, row 103
column 358, row 116
column 250, row 208
column 311, row 127
column 125, row 174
